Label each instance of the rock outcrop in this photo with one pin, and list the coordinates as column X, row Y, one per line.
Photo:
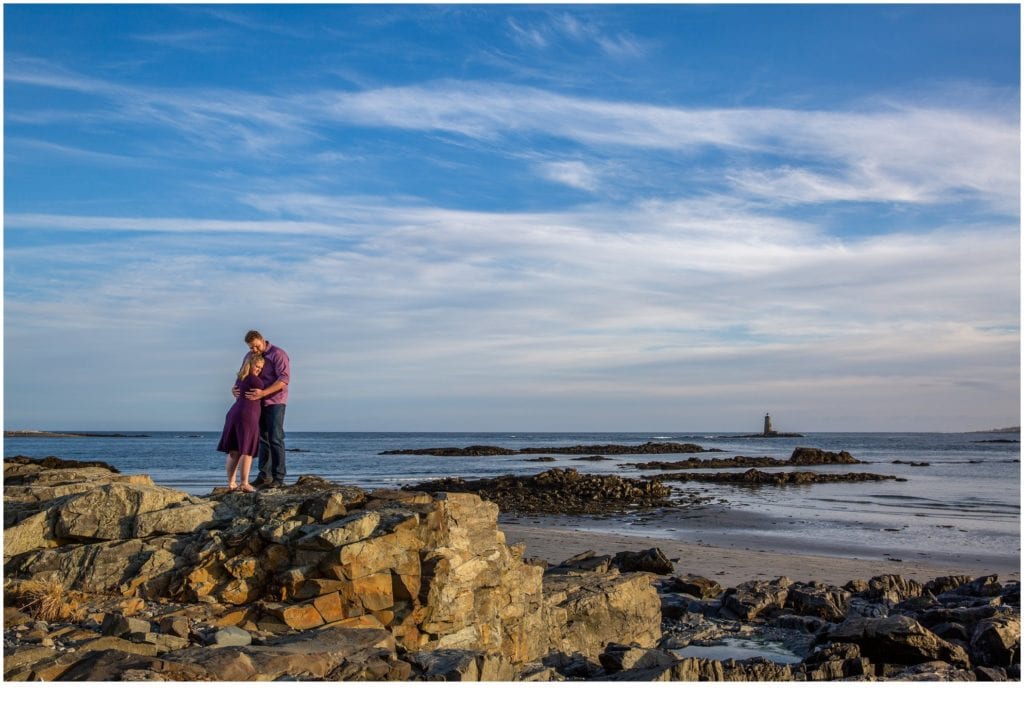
column 801, row 457
column 317, row 581
column 757, row 477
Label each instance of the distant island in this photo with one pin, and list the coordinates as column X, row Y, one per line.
column 57, row 434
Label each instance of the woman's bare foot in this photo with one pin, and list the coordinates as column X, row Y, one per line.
column 246, row 488
column 232, row 487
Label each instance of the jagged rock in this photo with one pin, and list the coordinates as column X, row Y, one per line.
column 804, row 624
column 819, row 600
column 675, row 605
column 696, row 669
column 694, row 585
column 896, row 639
column 313, row 655
column 175, row 625
column 837, row 661
column 941, row 585
column 32, row 533
column 162, row 643
column 891, row 589
column 935, row 671
column 332, row 504
column 93, row 567
column 996, row 642
column 477, row 591
column 109, row 511
column 965, row 616
column 617, row 658
column 462, row 666
column 346, row 530
column 990, row 674
column 587, row 561
column 122, row 626
column 180, row 518
column 230, row 636
column 752, row 599
column 586, row 612
column 573, row 666
column 651, row 560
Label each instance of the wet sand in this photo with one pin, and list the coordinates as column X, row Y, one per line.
column 727, row 545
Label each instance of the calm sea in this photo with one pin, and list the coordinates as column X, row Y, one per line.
column 966, row 498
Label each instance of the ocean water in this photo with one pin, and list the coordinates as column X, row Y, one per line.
column 967, row 499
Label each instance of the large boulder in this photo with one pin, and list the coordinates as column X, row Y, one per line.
column 753, row 599
column 996, row 642
column 820, row 600
column 587, row 611
column 650, row 560
column 109, row 511
column 896, row 640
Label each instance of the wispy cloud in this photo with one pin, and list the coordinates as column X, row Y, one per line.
column 17, row 147
column 896, row 153
column 658, row 300
column 564, row 28
column 198, row 40
column 575, row 174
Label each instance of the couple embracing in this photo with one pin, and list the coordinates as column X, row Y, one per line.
column 255, row 423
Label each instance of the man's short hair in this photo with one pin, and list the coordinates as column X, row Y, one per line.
column 252, row 336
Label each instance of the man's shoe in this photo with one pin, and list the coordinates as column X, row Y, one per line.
column 262, row 482
column 276, row 484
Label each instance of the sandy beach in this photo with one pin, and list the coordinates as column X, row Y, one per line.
column 746, row 556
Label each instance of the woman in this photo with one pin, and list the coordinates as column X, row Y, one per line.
column 241, row 436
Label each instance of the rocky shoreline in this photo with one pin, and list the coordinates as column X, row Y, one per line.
column 559, row 491
column 477, row 451
column 110, row 577
column 801, row 457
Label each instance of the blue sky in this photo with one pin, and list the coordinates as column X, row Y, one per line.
column 486, row 217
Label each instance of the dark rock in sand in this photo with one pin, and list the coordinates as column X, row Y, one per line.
column 651, row 560
column 588, row 561
column 695, row 585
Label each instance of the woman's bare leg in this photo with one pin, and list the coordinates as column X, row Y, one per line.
column 246, row 464
column 230, row 465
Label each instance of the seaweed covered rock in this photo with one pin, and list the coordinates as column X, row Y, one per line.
column 559, row 491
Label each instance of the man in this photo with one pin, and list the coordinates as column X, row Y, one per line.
column 273, row 398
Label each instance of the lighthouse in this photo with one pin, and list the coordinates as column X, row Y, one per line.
column 768, row 425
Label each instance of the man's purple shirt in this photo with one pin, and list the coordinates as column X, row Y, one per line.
column 277, row 367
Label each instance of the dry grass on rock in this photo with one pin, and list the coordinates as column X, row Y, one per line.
column 46, row 601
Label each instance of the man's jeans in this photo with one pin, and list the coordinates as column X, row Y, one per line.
column 272, row 442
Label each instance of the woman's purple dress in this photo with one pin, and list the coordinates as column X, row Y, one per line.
column 242, row 424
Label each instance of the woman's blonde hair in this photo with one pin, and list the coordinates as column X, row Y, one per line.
column 250, row 360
